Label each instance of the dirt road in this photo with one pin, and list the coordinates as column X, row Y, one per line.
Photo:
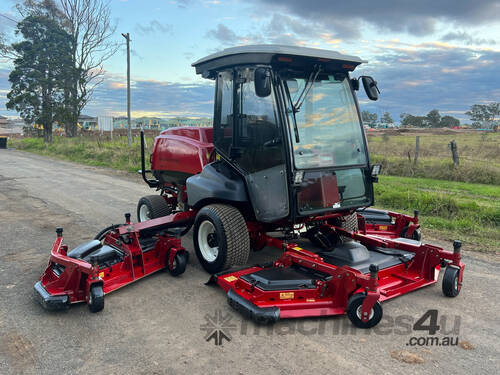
column 154, row 326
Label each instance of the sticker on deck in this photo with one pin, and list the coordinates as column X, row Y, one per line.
column 286, row 295
column 230, row 279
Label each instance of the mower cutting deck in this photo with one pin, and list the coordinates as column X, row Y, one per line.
column 352, row 278
column 118, row 256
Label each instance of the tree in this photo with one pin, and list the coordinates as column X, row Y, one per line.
column 369, row 117
column 89, row 24
column 433, row 119
column 386, row 118
column 449, row 122
column 484, row 114
column 36, row 90
column 410, row 120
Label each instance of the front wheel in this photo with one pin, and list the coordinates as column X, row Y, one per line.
column 220, row 237
column 354, row 312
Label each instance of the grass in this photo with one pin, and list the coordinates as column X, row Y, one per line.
column 454, row 202
column 450, row 210
column 94, row 151
column 479, row 155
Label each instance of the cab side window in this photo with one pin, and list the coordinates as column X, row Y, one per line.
column 223, row 125
column 261, row 142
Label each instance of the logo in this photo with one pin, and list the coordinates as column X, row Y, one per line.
column 218, row 327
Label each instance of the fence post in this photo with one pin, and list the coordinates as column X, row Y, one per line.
column 454, row 152
column 417, row 148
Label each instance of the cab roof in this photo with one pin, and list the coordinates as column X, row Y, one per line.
column 273, row 53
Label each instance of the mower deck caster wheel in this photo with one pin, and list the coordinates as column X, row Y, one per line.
column 451, row 286
column 417, row 234
column 96, row 298
column 180, row 263
column 354, row 312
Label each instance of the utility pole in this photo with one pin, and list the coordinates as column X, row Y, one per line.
column 127, row 38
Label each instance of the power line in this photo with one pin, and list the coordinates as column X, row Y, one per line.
column 10, row 19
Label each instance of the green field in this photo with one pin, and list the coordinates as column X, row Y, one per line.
column 454, row 202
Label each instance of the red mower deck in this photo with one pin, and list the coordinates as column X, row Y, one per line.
column 118, row 256
column 304, row 284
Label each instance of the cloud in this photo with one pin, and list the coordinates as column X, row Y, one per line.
column 151, row 96
column 154, row 27
column 462, row 36
column 413, row 17
column 223, row 34
column 415, row 78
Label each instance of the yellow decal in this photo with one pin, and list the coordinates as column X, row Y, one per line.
column 217, row 157
column 286, row 295
column 382, row 227
column 230, row 279
column 101, row 275
column 310, row 300
column 298, row 248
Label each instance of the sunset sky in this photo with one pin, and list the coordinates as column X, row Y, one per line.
column 424, row 54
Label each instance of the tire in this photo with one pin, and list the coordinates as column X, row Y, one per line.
column 96, row 298
column 451, row 287
column 180, row 262
column 354, row 312
column 100, row 236
column 221, row 237
column 417, row 234
column 152, row 207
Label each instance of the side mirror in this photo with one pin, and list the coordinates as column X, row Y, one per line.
column 262, row 81
column 355, row 84
column 370, row 86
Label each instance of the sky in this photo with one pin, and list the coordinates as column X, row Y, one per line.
column 424, row 54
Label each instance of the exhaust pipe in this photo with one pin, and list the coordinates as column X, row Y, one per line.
column 143, row 171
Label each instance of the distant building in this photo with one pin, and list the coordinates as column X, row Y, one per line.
column 87, row 122
column 160, row 123
column 3, row 121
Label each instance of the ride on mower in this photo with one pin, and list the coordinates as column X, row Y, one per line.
column 285, row 163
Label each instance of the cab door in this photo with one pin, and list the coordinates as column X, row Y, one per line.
column 260, row 149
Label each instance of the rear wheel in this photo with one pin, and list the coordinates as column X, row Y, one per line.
column 354, row 306
column 221, row 237
column 96, row 298
column 152, row 207
column 451, row 286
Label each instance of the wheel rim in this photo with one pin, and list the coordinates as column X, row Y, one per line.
column 207, row 241
column 455, row 283
column 144, row 213
column 358, row 312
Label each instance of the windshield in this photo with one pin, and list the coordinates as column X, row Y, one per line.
column 326, row 131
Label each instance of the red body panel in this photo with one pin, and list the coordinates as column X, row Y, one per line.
column 393, row 230
column 183, row 150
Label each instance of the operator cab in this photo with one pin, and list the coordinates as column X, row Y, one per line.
column 287, row 120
